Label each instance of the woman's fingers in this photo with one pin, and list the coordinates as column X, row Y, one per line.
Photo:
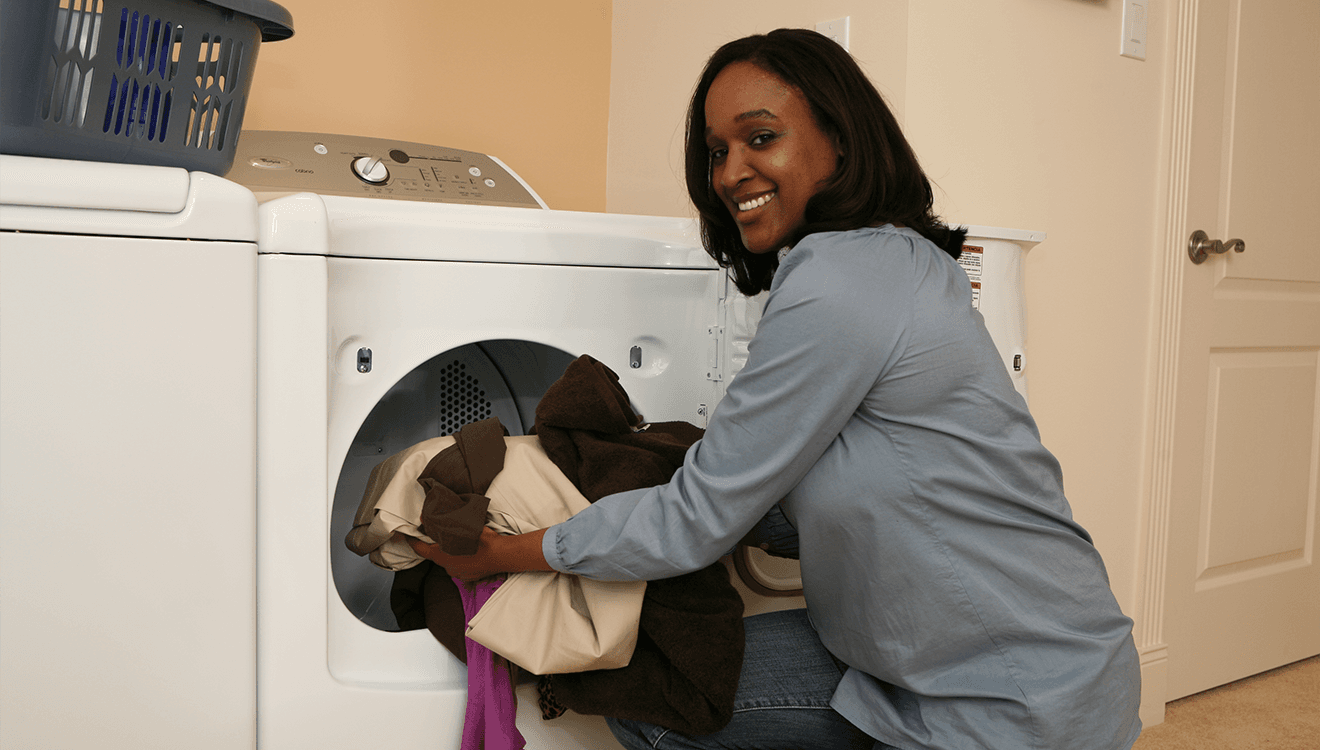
column 463, row 567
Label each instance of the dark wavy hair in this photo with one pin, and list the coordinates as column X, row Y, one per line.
column 878, row 179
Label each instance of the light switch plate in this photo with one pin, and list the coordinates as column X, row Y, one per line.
column 836, row 30
column 1134, row 29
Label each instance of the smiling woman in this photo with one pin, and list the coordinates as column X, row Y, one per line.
column 846, row 160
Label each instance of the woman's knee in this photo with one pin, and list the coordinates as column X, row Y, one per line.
column 774, row 729
column 634, row 735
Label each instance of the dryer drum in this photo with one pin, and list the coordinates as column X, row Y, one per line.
column 503, row 379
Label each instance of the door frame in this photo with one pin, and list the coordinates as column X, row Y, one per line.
column 1174, row 175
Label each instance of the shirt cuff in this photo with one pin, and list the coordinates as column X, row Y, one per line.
column 551, row 549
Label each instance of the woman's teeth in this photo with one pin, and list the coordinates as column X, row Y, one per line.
column 749, row 205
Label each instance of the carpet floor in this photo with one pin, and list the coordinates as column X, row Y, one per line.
column 1279, row 710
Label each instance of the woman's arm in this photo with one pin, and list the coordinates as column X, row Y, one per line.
column 827, row 336
column 496, row 553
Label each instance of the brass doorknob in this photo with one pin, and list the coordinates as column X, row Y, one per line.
column 1200, row 246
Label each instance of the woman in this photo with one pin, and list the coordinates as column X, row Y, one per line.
column 952, row 602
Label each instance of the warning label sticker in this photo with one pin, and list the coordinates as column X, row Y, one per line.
column 971, row 260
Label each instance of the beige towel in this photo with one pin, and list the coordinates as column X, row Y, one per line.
column 547, row 623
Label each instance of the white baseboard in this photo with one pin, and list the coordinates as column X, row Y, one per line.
column 1154, row 684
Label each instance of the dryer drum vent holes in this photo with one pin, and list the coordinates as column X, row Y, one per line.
column 144, row 85
column 462, row 400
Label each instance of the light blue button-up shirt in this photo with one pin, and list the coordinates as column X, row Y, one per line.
column 939, row 556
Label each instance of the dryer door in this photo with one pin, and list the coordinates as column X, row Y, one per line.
column 454, row 342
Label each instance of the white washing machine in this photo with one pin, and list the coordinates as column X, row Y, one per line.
column 406, row 290
column 127, row 457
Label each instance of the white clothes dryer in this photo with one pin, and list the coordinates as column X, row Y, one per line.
column 127, row 457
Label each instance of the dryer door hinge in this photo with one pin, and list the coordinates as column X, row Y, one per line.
column 715, row 354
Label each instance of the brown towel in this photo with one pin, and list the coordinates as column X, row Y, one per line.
column 590, row 431
column 424, row 596
column 684, row 672
column 456, row 480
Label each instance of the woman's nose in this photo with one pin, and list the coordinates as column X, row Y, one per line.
column 735, row 169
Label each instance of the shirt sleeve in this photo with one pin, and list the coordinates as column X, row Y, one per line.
column 827, row 335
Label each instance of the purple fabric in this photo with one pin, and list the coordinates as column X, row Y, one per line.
column 491, row 704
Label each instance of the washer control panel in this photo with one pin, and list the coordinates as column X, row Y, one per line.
column 273, row 161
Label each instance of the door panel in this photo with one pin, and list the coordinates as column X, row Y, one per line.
column 1256, row 450
column 1272, row 144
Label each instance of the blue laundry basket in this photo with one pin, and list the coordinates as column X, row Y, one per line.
column 160, row 82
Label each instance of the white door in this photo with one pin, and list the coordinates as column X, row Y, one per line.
column 1243, row 586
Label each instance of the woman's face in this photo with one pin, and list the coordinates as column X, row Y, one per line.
column 768, row 156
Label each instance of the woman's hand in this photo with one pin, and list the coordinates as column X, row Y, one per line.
column 496, row 553
column 474, row 567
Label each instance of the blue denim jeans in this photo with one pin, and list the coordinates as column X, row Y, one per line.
column 783, row 698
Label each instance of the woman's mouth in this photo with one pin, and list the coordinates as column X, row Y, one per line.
column 756, row 202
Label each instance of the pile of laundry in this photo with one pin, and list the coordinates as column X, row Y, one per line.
column 666, row 652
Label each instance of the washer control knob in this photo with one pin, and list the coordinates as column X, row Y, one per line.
column 371, row 170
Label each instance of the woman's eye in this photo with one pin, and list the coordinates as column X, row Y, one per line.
column 760, row 139
column 718, row 153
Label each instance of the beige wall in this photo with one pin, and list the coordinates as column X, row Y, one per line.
column 1025, row 116
column 524, row 80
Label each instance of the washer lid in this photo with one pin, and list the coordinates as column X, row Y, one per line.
column 1024, row 237
column 83, row 197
